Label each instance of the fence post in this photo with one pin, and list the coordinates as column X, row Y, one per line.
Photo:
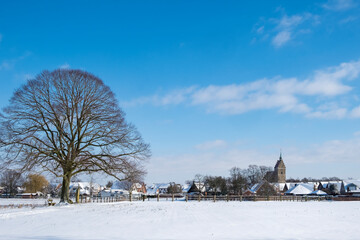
column 186, row 198
column 240, row 198
column 227, row 197
column 158, row 197
column 199, row 198
column 214, row 197
column 254, row 198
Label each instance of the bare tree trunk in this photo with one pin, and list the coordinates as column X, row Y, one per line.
column 65, row 189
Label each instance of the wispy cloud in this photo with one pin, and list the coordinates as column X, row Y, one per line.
column 211, row 145
column 309, row 96
column 286, row 28
column 339, row 5
column 10, row 63
column 348, row 20
column 64, row 66
column 172, row 98
column 23, row 77
column 281, row 38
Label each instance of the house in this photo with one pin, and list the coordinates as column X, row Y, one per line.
column 318, row 193
column 30, row 195
column 332, row 187
column 197, row 187
column 157, row 188
column 352, row 187
column 185, row 188
column 140, row 187
column 263, row 188
column 86, row 188
column 301, row 189
column 123, row 189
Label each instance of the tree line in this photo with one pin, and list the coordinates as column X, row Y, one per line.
column 12, row 181
column 236, row 183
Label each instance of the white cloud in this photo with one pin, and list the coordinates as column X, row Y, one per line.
column 65, row 66
column 329, row 151
column 260, row 30
column 172, row 98
column 339, row 5
column 21, row 78
column 281, row 38
column 309, row 96
column 288, row 28
column 355, row 112
column 211, row 145
column 10, row 63
column 287, row 22
column 348, row 19
column 331, row 114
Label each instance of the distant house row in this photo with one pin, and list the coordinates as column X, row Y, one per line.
column 321, row 188
column 275, row 182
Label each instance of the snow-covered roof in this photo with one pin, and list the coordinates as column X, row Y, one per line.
column 301, row 189
column 153, row 189
column 336, row 183
column 318, row 192
column 186, row 188
column 279, row 186
column 352, row 186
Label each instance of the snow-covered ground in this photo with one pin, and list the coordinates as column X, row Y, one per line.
column 19, row 201
column 184, row 220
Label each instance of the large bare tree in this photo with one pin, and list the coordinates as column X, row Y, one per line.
column 68, row 122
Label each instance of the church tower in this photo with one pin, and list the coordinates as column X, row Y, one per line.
column 280, row 171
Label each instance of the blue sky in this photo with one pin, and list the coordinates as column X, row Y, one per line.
column 210, row 85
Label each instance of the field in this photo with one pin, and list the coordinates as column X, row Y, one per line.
column 184, row 220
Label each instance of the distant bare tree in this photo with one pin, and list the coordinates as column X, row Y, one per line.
column 216, row 184
column 68, row 122
column 109, row 184
column 174, row 188
column 256, row 173
column 199, row 181
column 11, row 180
column 237, row 180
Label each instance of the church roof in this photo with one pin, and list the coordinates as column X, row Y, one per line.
column 280, row 163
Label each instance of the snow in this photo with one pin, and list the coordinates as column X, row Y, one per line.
column 19, row 201
column 318, row 192
column 184, row 220
column 301, row 189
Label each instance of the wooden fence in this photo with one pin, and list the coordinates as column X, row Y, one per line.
column 241, row 198
column 198, row 198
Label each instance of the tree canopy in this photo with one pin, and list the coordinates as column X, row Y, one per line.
column 69, row 122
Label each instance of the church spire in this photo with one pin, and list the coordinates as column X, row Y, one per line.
column 280, row 158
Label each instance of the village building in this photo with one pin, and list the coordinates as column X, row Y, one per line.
column 279, row 173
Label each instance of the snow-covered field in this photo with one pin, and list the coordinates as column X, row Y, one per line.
column 184, row 220
column 19, row 201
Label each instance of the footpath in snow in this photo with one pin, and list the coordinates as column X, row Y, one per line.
column 184, row 220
